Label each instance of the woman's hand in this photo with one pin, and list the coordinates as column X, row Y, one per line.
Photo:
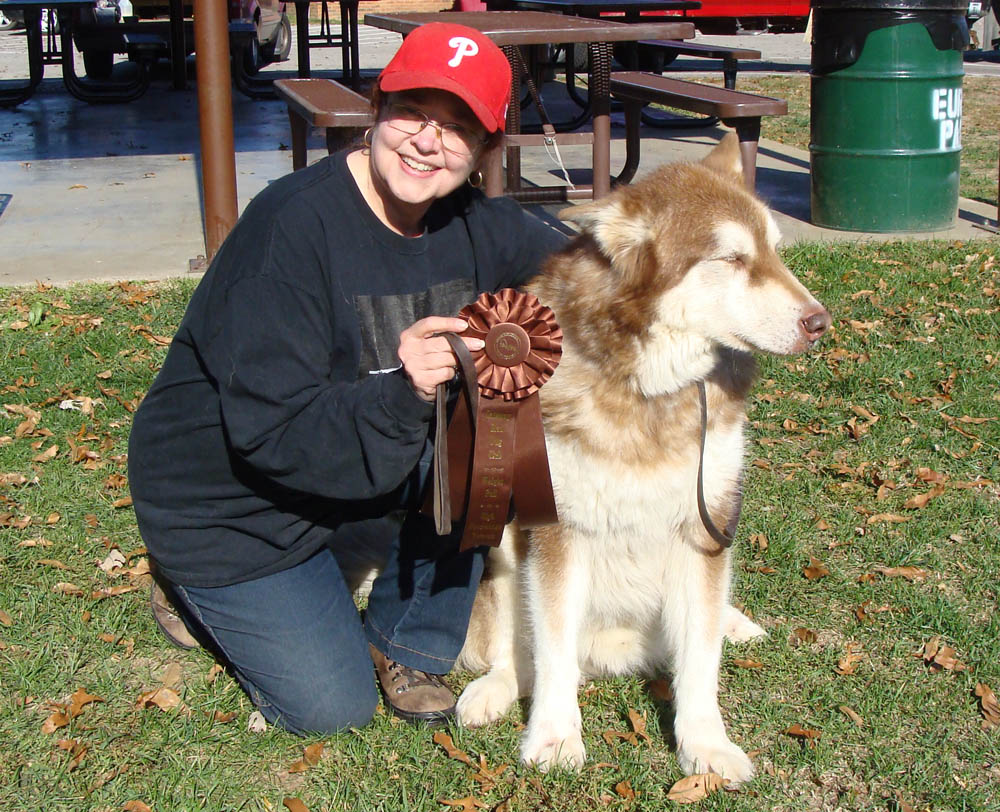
column 426, row 356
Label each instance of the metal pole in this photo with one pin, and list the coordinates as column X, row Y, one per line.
column 215, row 121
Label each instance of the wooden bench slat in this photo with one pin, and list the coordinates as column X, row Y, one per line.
column 703, row 49
column 693, row 96
column 320, row 103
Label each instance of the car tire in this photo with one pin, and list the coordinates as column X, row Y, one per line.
column 252, row 60
column 98, row 64
column 278, row 49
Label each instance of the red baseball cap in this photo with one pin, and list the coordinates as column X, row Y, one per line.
column 455, row 58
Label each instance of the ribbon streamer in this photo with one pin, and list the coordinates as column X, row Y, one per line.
column 496, row 444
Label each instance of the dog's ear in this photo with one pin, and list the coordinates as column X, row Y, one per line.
column 725, row 157
column 620, row 235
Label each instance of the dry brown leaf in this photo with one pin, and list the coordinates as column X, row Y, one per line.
column 852, row 714
column 51, row 562
column 163, row 698
column 661, row 689
column 694, row 788
column 624, row 790
column 808, row 736
column 310, row 758
column 39, row 542
column 940, row 658
column 294, row 805
column 848, row 664
column 6, row 619
column 221, row 718
column 64, row 588
column 214, row 672
column 638, row 724
column 988, row 706
column 909, row 573
column 747, row 663
column 56, row 720
column 136, row 806
column 256, row 723
column 444, row 740
column 802, row 636
column 125, row 501
column 816, row 569
column 921, row 499
column 48, row 454
column 79, row 700
column 113, row 591
column 76, row 749
column 466, row 804
column 113, row 560
column 883, row 518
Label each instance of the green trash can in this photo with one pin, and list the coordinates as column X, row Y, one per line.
column 886, row 113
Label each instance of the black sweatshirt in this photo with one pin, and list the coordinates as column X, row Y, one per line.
column 280, row 410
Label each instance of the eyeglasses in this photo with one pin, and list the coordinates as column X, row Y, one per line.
column 454, row 137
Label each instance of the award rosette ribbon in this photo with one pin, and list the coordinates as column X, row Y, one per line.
column 495, row 441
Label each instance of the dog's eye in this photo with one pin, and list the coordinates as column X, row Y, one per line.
column 738, row 260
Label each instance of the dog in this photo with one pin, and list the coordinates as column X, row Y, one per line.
column 673, row 280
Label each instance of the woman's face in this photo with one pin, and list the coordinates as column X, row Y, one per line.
column 410, row 170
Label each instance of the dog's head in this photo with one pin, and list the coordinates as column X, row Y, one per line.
column 686, row 255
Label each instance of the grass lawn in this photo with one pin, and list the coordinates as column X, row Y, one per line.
column 869, row 550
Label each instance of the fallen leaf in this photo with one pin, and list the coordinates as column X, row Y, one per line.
column 64, row 588
column 802, row 636
column 808, row 736
column 816, row 569
column 310, row 758
column 694, row 788
column 136, row 806
column 466, row 804
column 848, row 664
column 444, row 740
column 39, row 542
column 256, row 723
column 56, row 720
column 747, row 663
column 638, row 724
column 113, row 591
column 172, row 676
column 51, row 562
column 125, row 501
column 79, row 700
column 882, row 518
column 221, row 718
column 113, row 560
column 852, row 714
column 294, row 805
column 909, row 573
column 988, row 706
column 624, row 790
column 47, row 454
column 940, row 658
column 6, row 619
column 76, row 749
column 921, row 499
column 163, row 698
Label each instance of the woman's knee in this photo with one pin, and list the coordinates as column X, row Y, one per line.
column 326, row 712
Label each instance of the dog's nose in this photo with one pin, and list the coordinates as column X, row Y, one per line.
column 815, row 324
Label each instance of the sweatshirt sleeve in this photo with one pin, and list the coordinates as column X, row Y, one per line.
column 286, row 415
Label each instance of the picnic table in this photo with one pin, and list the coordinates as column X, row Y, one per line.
column 512, row 29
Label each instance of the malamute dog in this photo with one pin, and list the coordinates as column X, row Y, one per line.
column 672, row 281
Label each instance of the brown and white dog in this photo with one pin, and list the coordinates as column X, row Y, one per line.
column 673, row 280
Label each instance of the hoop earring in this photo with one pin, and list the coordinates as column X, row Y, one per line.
column 475, row 179
column 366, row 139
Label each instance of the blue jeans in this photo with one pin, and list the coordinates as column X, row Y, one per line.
column 296, row 641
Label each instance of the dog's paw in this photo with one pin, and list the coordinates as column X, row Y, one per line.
column 720, row 756
column 486, row 699
column 545, row 747
column 738, row 628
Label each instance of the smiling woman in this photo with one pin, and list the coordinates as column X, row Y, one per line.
column 283, row 449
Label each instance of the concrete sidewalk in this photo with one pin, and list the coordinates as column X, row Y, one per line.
column 113, row 192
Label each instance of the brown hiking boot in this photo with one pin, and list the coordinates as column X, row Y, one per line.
column 413, row 695
column 169, row 619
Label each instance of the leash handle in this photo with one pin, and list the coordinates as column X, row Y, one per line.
column 467, row 372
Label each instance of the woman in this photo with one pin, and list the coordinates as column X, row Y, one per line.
column 284, row 444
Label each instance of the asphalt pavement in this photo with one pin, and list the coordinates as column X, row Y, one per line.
column 113, row 191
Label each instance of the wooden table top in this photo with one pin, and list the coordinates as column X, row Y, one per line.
column 536, row 27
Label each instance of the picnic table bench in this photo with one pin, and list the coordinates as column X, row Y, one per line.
column 667, row 49
column 739, row 110
column 325, row 104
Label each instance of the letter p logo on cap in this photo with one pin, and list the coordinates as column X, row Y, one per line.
column 463, row 47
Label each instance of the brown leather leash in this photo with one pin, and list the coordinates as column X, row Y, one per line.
column 723, row 537
column 493, row 450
